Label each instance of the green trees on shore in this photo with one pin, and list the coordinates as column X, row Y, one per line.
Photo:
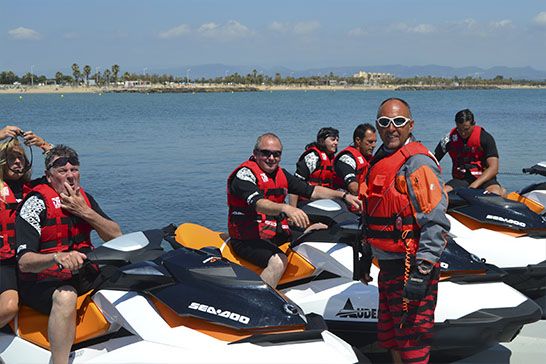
column 111, row 77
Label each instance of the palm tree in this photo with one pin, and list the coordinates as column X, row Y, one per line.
column 107, row 75
column 59, row 78
column 115, row 71
column 76, row 72
column 87, row 72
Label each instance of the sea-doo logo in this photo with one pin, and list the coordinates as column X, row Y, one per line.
column 348, row 311
column 505, row 220
column 360, row 159
column 218, row 312
column 56, row 202
column 264, row 177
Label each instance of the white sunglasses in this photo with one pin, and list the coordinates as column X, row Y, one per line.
column 397, row 121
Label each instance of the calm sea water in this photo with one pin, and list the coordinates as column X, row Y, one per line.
column 156, row 159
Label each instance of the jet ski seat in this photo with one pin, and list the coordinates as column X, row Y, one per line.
column 197, row 237
column 31, row 325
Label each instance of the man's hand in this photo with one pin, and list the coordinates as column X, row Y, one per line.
column 416, row 286
column 296, row 216
column 73, row 201
column 70, row 260
column 10, row 131
column 353, row 201
column 366, row 278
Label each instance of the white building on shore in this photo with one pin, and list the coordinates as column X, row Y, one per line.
column 374, row 77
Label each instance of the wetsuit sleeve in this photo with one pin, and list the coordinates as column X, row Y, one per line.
column 307, row 165
column 95, row 206
column 442, row 147
column 488, row 144
column 298, row 187
column 345, row 168
column 30, row 218
column 420, row 178
column 244, row 185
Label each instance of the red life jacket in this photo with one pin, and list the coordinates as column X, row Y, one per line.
column 62, row 232
column 467, row 157
column 391, row 225
column 244, row 222
column 8, row 205
column 362, row 165
column 323, row 175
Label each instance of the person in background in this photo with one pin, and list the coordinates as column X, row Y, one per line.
column 53, row 229
column 316, row 164
column 351, row 164
column 15, row 183
column 259, row 218
column 405, row 224
column 473, row 153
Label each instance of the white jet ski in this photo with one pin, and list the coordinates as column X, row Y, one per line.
column 167, row 304
column 475, row 308
column 508, row 232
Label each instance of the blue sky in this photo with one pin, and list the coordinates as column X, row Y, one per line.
column 51, row 35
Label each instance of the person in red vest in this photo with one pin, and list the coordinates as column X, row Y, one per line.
column 53, row 229
column 259, row 218
column 474, row 155
column 316, row 164
column 351, row 164
column 405, row 224
column 15, row 183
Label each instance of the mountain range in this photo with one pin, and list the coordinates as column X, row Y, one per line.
column 220, row 70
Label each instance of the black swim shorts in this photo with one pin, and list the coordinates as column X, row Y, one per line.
column 257, row 251
column 8, row 276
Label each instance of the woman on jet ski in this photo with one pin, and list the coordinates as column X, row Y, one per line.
column 15, row 183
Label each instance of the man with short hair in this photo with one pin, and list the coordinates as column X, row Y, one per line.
column 258, row 215
column 474, row 155
column 405, row 224
column 351, row 164
column 53, row 234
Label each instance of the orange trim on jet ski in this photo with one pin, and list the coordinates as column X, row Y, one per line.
column 219, row 332
column 32, row 325
column 474, row 225
column 531, row 204
column 197, row 237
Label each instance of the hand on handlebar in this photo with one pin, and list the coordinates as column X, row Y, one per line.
column 296, row 216
column 353, row 201
column 72, row 260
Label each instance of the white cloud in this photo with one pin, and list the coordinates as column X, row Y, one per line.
column 418, row 29
column 302, row 28
column 357, row 32
column 540, row 19
column 306, row 27
column 502, row 24
column 232, row 29
column 175, row 32
column 24, row 34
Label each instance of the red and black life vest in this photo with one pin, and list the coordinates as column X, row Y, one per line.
column 8, row 206
column 467, row 157
column 244, row 222
column 391, row 225
column 323, row 175
column 362, row 165
column 62, row 232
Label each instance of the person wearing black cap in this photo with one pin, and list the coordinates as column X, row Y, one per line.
column 316, row 164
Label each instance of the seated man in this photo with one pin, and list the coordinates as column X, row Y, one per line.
column 316, row 164
column 258, row 215
column 474, row 155
column 351, row 164
column 53, row 234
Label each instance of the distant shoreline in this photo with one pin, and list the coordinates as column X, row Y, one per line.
column 198, row 88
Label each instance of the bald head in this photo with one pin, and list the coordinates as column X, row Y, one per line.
column 394, row 106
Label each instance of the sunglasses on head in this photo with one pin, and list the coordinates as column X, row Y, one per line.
column 267, row 153
column 59, row 162
column 397, row 121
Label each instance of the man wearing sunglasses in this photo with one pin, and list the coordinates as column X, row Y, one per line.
column 351, row 164
column 316, row 164
column 53, row 234
column 474, row 155
column 259, row 218
column 405, row 225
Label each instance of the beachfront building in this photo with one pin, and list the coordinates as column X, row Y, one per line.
column 137, row 84
column 374, row 77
